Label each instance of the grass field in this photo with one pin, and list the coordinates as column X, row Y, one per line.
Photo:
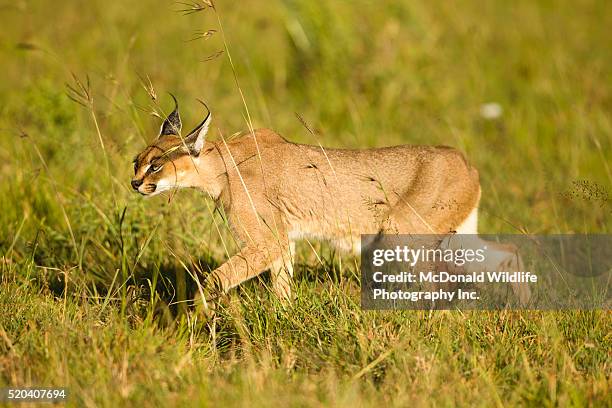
column 91, row 291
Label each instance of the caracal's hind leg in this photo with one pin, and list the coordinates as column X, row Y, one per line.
column 498, row 258
column 505, row 257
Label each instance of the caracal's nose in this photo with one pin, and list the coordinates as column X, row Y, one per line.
column 136, row 184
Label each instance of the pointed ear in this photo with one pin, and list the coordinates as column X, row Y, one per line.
column 172, row 125
column 195, row 140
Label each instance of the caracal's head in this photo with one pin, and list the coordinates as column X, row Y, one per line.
column 169, row 161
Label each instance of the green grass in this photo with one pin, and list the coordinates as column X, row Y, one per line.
column 89, row 270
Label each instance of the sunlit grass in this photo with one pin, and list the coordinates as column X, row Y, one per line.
column 89, row 270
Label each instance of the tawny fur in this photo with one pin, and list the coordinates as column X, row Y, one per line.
column 275, row 192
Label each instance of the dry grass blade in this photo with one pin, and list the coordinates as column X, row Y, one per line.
column 80, row 92
column 202, row 35
column 155, row 112
column 306, row 125
column 213, row 56
column 148, row 87
column 194, row 6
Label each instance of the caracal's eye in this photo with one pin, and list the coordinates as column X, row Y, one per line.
column 155, row 168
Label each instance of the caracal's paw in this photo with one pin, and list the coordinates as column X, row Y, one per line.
column 206, row 303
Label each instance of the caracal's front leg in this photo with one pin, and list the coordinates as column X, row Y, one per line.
column 281, row 272
column 252, row 260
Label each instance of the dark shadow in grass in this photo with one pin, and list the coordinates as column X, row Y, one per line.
column 169, row 274
column 328, row 271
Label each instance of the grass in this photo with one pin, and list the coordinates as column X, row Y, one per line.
column 91, row 273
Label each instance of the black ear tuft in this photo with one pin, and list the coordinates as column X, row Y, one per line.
column 172, row 125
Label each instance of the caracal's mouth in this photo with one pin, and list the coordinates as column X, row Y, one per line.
column 148, row 189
